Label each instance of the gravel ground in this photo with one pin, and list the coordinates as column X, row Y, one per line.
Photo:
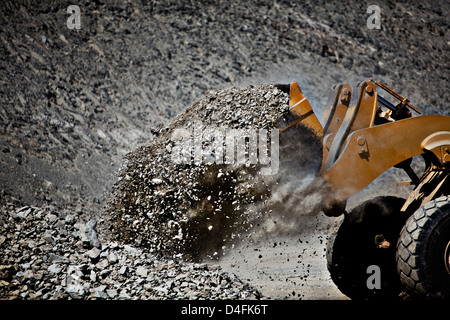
column 289, row 267
column 50, row 254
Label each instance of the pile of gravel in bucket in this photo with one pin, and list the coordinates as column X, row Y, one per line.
column 193, row 205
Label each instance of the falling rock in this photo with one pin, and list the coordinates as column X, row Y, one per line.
column 161, row 289
column 23, row 212
column 2, row 239
column 156, row 181
column 93, row 276
column 112, row 258
column 141, row 271
column 76, row 291
column 48, row 237
column 123, row 270
column 124, row 296
column 94, row 254
column 100, row 292
column 69, row 219
column 7, row 272
column 54, row 268
column 112, row 293
column 88, row 235
column 55, row 258
column 52, row 218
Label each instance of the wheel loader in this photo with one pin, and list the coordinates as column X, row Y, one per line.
column 365, row 130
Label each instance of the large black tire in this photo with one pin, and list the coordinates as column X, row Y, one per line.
column 423, row 251
column 351, row 249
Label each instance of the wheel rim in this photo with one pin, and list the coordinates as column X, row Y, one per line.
column 447, row 258
column 364, row 238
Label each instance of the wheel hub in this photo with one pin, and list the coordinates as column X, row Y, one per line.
column 381, row 242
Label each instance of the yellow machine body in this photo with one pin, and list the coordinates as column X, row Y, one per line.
column 361, row 140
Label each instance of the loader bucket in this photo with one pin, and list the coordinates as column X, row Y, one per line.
column 301, row 147
column 301, row 136
column 302, row 111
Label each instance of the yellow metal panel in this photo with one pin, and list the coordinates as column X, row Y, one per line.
column 300, row 107
column 439, row 144
column 334, row 116
column 360, row 114
column 370, row 152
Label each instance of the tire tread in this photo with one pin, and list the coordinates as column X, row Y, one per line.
column 412, row 242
